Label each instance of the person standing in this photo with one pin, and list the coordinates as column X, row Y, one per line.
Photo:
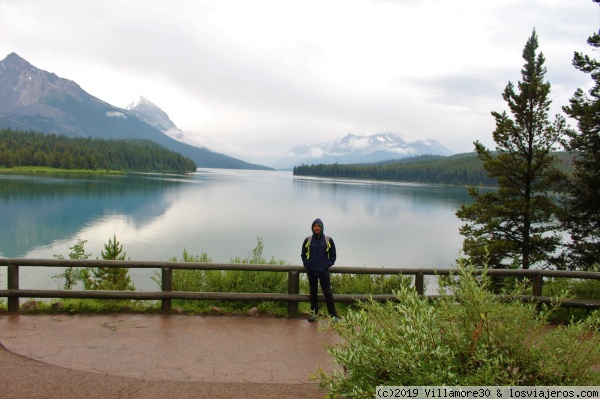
column 318, row 255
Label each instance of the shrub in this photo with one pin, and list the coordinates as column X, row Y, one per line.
column 368, row 284
column 468, row 337
column 98, row 278
column 229, row 281
column 72, row 275
column 365, row 284
column 575, row 289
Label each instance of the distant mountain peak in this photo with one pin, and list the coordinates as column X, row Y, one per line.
column 34, row 99
column 14, row 60
column 150, row 113
column 352, row 149
column 27, row 90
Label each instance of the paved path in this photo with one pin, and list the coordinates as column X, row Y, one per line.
column 160, row 356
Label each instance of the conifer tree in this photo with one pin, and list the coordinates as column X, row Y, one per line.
column 110, row 278
column 513, row 226
column 113, row 250
column 581, row 216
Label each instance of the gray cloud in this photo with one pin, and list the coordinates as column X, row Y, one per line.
column 262, row 77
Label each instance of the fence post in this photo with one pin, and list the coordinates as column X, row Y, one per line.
column 538, row 282
column 167, row 286
column 13, row 284
column 293, row 289
column 419, row 283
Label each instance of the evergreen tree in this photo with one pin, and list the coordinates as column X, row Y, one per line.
column 110, row 278
column 513, row 226
column 113, row 250
column 581, row 216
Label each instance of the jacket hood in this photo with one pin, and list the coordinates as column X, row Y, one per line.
column 320, row 223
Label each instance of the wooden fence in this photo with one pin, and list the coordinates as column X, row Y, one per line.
column 292, row 297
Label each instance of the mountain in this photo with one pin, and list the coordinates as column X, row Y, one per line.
column 33, row 99
column 156, row 117
column 353, row 149
column 151, row 114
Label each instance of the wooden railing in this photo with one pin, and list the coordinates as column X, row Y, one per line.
column 292, row 297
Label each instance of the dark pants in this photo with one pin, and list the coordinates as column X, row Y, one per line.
column 313, row 282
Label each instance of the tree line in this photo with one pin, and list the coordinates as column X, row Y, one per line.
column 29, row 148
column 460, row 170
column 463, row 169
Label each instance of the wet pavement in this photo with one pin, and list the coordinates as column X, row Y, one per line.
column 174, row 348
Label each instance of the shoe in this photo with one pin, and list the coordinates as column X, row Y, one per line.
column 312, row 319
column 335, row 319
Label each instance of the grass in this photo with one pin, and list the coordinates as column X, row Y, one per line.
column 103, row 306
column 89, row 306
column 46, row 169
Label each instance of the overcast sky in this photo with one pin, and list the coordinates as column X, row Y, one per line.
column 254, row 78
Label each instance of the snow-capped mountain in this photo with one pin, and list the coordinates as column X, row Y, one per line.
column 352, row 149
column 154, row 116
column 151, row 114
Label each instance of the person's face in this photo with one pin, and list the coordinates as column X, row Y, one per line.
column 317, row 228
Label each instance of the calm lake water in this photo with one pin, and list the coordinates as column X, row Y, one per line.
column 223, row 213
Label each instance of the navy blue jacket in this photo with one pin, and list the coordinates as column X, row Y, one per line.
column 319, row 259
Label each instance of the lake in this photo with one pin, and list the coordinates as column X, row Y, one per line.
column 223, row 213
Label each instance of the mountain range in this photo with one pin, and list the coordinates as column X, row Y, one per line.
column 33, row 99
column 350, row 149
column 353, row 149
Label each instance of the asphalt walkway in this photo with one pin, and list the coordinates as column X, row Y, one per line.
column 161, row 356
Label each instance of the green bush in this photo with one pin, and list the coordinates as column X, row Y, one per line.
column 368, row 284
column 96, row 278
column 574, row 289
column 364, row 284
column 230, row 281
column 468, row 337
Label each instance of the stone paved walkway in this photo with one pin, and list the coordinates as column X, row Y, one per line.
column 244, row 353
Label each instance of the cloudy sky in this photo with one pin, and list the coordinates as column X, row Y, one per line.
column 254, row 78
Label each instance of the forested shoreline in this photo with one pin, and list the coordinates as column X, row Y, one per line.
column 461, row 169
column 19, row 148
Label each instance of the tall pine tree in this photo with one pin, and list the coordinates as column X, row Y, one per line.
column 514, row 226
column 582, row 202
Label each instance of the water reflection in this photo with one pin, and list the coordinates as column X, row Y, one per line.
column 380, row 199
column 38, row 210
column 222, row 212
column 389, row 224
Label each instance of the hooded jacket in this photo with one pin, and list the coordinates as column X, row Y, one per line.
column 318, row 260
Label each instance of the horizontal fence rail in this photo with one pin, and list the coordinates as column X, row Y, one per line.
column 292, row 297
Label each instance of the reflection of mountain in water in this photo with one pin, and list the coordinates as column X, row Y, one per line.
column 36, row 211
